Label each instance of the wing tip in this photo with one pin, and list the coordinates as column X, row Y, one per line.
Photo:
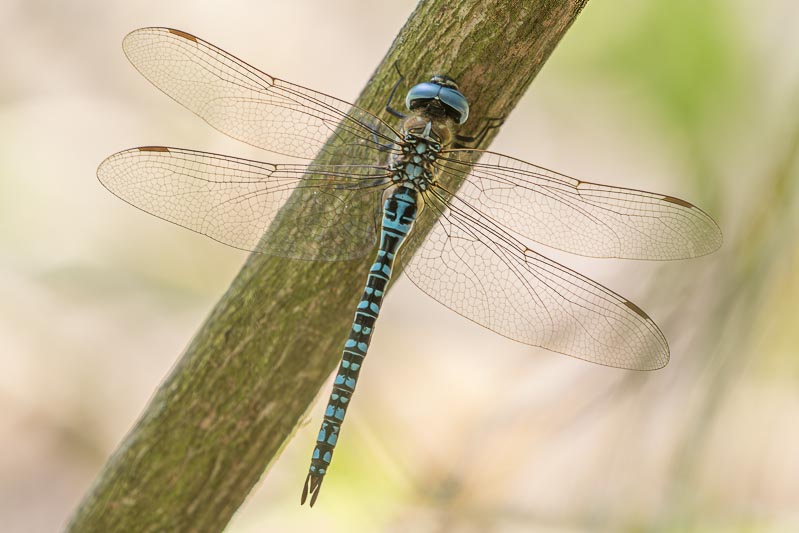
column 714, row 237
column 106, row 164
column 139, row 32
column 713, row 240
column 646, row 363
column 649, row 363
column 660, row 362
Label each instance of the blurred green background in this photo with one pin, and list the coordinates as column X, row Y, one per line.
column 693, row 98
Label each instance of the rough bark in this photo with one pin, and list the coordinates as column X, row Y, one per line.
column 259, row 360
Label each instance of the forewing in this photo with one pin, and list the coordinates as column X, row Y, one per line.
column 581, row 217
column 235, row 200
column 252, row 106
column 482, row 272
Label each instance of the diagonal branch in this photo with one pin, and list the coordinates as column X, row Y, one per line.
column 255, row 366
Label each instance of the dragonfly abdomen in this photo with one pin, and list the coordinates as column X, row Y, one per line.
column 399, row 214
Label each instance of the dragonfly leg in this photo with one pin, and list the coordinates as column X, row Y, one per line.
column 470, row 141
column 383, row 147
column 390, row 109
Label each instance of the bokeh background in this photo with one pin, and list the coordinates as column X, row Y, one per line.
column 692, row 98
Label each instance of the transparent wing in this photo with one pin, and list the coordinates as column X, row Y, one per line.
column 581, row 217
column 235, row 200
column 252, row 106
column 479, row 270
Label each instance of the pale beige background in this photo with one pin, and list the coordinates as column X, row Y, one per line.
column 454, row 428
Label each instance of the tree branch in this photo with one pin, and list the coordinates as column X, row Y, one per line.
column 258, row 362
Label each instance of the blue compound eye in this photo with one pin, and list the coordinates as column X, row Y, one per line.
column 455, row 101
column 421, row 92
column 451, row 98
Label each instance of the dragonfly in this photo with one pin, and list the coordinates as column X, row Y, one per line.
column 360, row 181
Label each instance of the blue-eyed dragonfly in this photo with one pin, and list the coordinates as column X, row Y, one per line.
column 360, row 181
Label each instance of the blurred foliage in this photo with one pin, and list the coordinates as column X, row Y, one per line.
column 683, row 59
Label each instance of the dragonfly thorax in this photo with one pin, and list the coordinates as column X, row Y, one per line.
column 420, row 147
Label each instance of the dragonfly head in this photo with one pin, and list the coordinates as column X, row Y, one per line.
column 439, row 96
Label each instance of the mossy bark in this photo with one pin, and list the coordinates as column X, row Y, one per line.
column 259, row 360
